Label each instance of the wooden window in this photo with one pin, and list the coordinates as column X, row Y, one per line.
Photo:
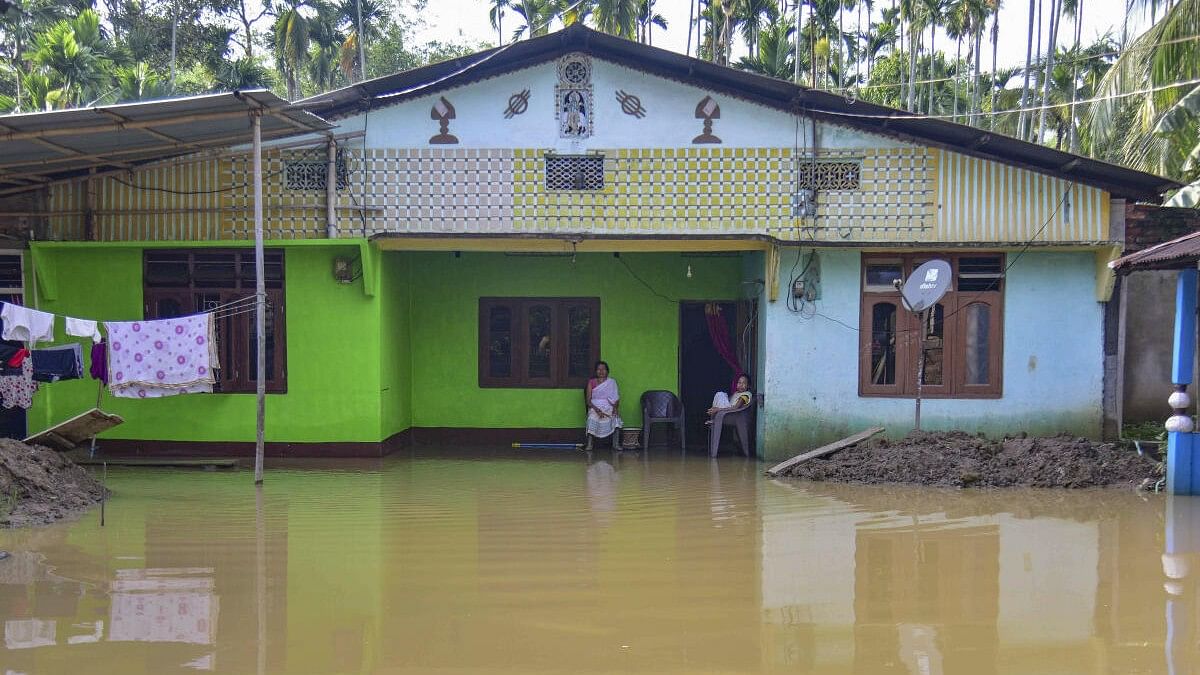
column 177, row 283
column 544, row 343
column 963, row 345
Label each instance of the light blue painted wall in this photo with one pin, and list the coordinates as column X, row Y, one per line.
column 1053, row 360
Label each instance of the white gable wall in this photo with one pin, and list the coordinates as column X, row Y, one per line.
column 670, row 119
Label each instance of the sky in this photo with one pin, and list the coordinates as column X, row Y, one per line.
column 457, row 20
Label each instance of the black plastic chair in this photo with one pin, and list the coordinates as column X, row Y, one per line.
column 662, row 407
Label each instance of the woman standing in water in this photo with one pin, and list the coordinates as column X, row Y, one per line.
column 603, row 401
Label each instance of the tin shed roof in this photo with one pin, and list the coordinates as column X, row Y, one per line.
column 37, row 148
column 1169, row 255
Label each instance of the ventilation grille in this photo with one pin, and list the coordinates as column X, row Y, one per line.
column 306, row 175
column 830, row 175
column 574, row 172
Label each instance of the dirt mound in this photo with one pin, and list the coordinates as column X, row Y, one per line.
column 39, row 486
column 956, row 459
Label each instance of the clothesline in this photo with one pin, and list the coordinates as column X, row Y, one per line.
column 41, row 324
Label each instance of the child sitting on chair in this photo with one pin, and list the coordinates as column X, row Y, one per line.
column 741, row 398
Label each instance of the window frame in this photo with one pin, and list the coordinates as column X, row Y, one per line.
column 954, row 346
column 233, row 332
column 560, row 309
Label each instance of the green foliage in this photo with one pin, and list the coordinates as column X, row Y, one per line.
column 61, row 53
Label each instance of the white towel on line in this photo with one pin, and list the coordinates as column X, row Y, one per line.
column 83, row 328
column 23, row 324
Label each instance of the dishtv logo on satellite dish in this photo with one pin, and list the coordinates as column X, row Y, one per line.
column 931, row 277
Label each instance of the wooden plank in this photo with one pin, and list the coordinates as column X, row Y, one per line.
column 69, row 434
column 825, row 450
column 163, row 462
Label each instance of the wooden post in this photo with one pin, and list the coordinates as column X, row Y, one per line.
column 1181, row 441
column 331, row 188
column 260, row 288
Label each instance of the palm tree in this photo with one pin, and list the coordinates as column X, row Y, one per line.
column 648, row 18
column 932, row 13
column 290, row 39
column 18, row 26
column 350, row 15
column 753, row 17
column 1157, row 131
column 139, row 82
column 537, row 15
column 775, row 53
column 244, row 73
column 617, row 17
column 496, row 16
column 72, row 54
column 325, row 57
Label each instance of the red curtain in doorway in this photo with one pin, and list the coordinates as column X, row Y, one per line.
column 718, row 331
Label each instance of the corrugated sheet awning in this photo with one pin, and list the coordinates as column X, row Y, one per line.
column 37, row 148
column 1169, row 255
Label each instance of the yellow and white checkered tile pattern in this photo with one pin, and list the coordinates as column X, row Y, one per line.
column 907, row 194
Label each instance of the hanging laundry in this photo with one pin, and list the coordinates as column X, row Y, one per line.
column 11, row 353
column 152, row 359
column 58, row 363
column 83, row 328
column 26, row 325
column 16, row 391
column 99, row 369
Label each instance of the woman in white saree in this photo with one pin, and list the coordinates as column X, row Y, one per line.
column 603, row 400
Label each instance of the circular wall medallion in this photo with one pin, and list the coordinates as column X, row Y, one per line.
column 574, row 70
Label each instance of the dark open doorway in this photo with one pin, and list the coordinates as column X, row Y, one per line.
column 702, row 371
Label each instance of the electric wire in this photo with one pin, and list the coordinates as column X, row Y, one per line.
column 230, row 188
column 993, row 113
column 643, row 281
column 1080, row 59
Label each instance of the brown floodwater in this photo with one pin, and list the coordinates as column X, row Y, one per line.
column 549, row 563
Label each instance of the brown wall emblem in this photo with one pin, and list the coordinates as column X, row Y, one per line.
column 518, row 103
column 631, row 104
column 443, row 112
column 707, row 110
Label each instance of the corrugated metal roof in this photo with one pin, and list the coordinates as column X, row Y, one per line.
column 826, row 106
column 37, row 148
column 1174, row 254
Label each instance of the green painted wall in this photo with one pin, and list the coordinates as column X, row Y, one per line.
column 395, row 355
column 333, row 340
column 639, row 329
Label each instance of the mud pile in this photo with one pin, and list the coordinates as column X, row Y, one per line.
column 956, row 459
column 39, row 486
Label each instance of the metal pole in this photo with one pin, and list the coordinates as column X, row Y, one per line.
column 920, row 366
column 260, row 288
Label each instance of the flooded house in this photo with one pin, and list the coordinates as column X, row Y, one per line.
column 446, row 263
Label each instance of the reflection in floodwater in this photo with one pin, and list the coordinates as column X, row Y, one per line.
column 598, row 564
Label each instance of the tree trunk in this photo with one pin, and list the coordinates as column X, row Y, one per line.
column 1037, row 59
column 954, row 82
column 1028, row 67
column 976, row 103
column 1055, row 21
column 932, row 58
column 1075, row 77
column 992, row 85
column 912, row 69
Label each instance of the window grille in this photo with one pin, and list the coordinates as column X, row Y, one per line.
column 575, row 172
column 830, row 175
column 309, row 175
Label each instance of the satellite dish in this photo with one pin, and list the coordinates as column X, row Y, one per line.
column 927, row 284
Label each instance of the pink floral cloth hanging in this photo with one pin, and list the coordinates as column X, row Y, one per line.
column 164, row 357
column 16, row 391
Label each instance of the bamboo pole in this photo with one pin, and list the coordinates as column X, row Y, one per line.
column 331, row 187
column 260, row 288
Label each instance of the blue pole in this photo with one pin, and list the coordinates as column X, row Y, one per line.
column 1183, row 474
